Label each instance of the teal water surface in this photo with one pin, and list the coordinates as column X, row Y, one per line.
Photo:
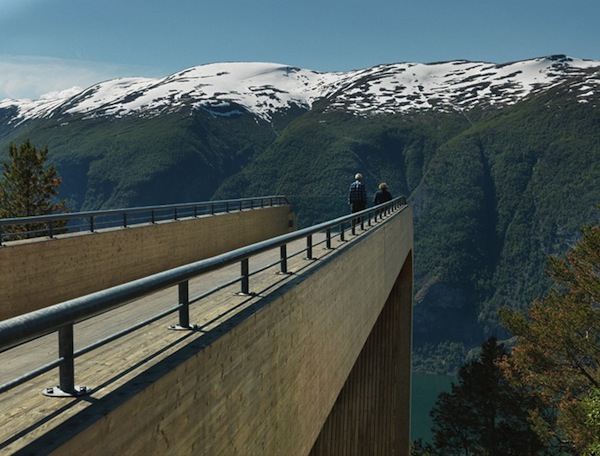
column 425, row 390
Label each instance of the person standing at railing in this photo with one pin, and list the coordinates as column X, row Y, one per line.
column 357, row 196
column 382, row 196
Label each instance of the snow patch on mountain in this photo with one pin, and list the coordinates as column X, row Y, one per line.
column 457, row 85
column 263, row 89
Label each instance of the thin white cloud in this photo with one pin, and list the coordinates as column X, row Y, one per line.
column 34, row 77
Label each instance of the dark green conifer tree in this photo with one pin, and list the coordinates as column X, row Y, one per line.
column 28, row 186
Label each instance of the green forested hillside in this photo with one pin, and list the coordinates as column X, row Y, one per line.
column 315, row 158
column 134, row 161
column 497, row 200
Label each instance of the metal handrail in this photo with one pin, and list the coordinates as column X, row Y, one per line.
column 49, row 225
column 61, row 317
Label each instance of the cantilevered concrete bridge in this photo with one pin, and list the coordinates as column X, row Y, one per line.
column 226, row 333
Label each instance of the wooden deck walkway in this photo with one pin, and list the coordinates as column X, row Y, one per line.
column 133, row 362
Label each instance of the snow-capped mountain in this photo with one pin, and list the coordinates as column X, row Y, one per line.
column 262, row 89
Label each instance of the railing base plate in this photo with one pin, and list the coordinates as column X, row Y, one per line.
column 183, row 328
column 56, row 391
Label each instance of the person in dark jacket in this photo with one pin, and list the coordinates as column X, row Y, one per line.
column 357, row 195
column 357, row 198
column 382, row 195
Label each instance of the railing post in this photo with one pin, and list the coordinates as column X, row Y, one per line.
column 175, row 213
column 124, row 219
column 184, row 302
column 245, row 281
column 184, row 307
column 66, row 371
column 91, row 223
column 342, row 237
column 283, row 258
column 309, row 250
column 65, row 351
column 50, row 229
column 328, row 238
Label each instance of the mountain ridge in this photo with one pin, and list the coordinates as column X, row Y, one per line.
column 261, row 89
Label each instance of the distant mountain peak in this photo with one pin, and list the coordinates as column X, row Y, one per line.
column 263, row 89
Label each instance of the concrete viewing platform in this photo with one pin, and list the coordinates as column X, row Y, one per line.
column 297, row 367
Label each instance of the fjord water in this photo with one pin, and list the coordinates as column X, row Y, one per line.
column 425, row 390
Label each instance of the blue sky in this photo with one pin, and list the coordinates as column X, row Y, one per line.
column 52, row 45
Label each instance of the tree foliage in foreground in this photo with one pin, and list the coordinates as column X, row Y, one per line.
column 28, row 187
column 484, row 414
column 557, row 353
